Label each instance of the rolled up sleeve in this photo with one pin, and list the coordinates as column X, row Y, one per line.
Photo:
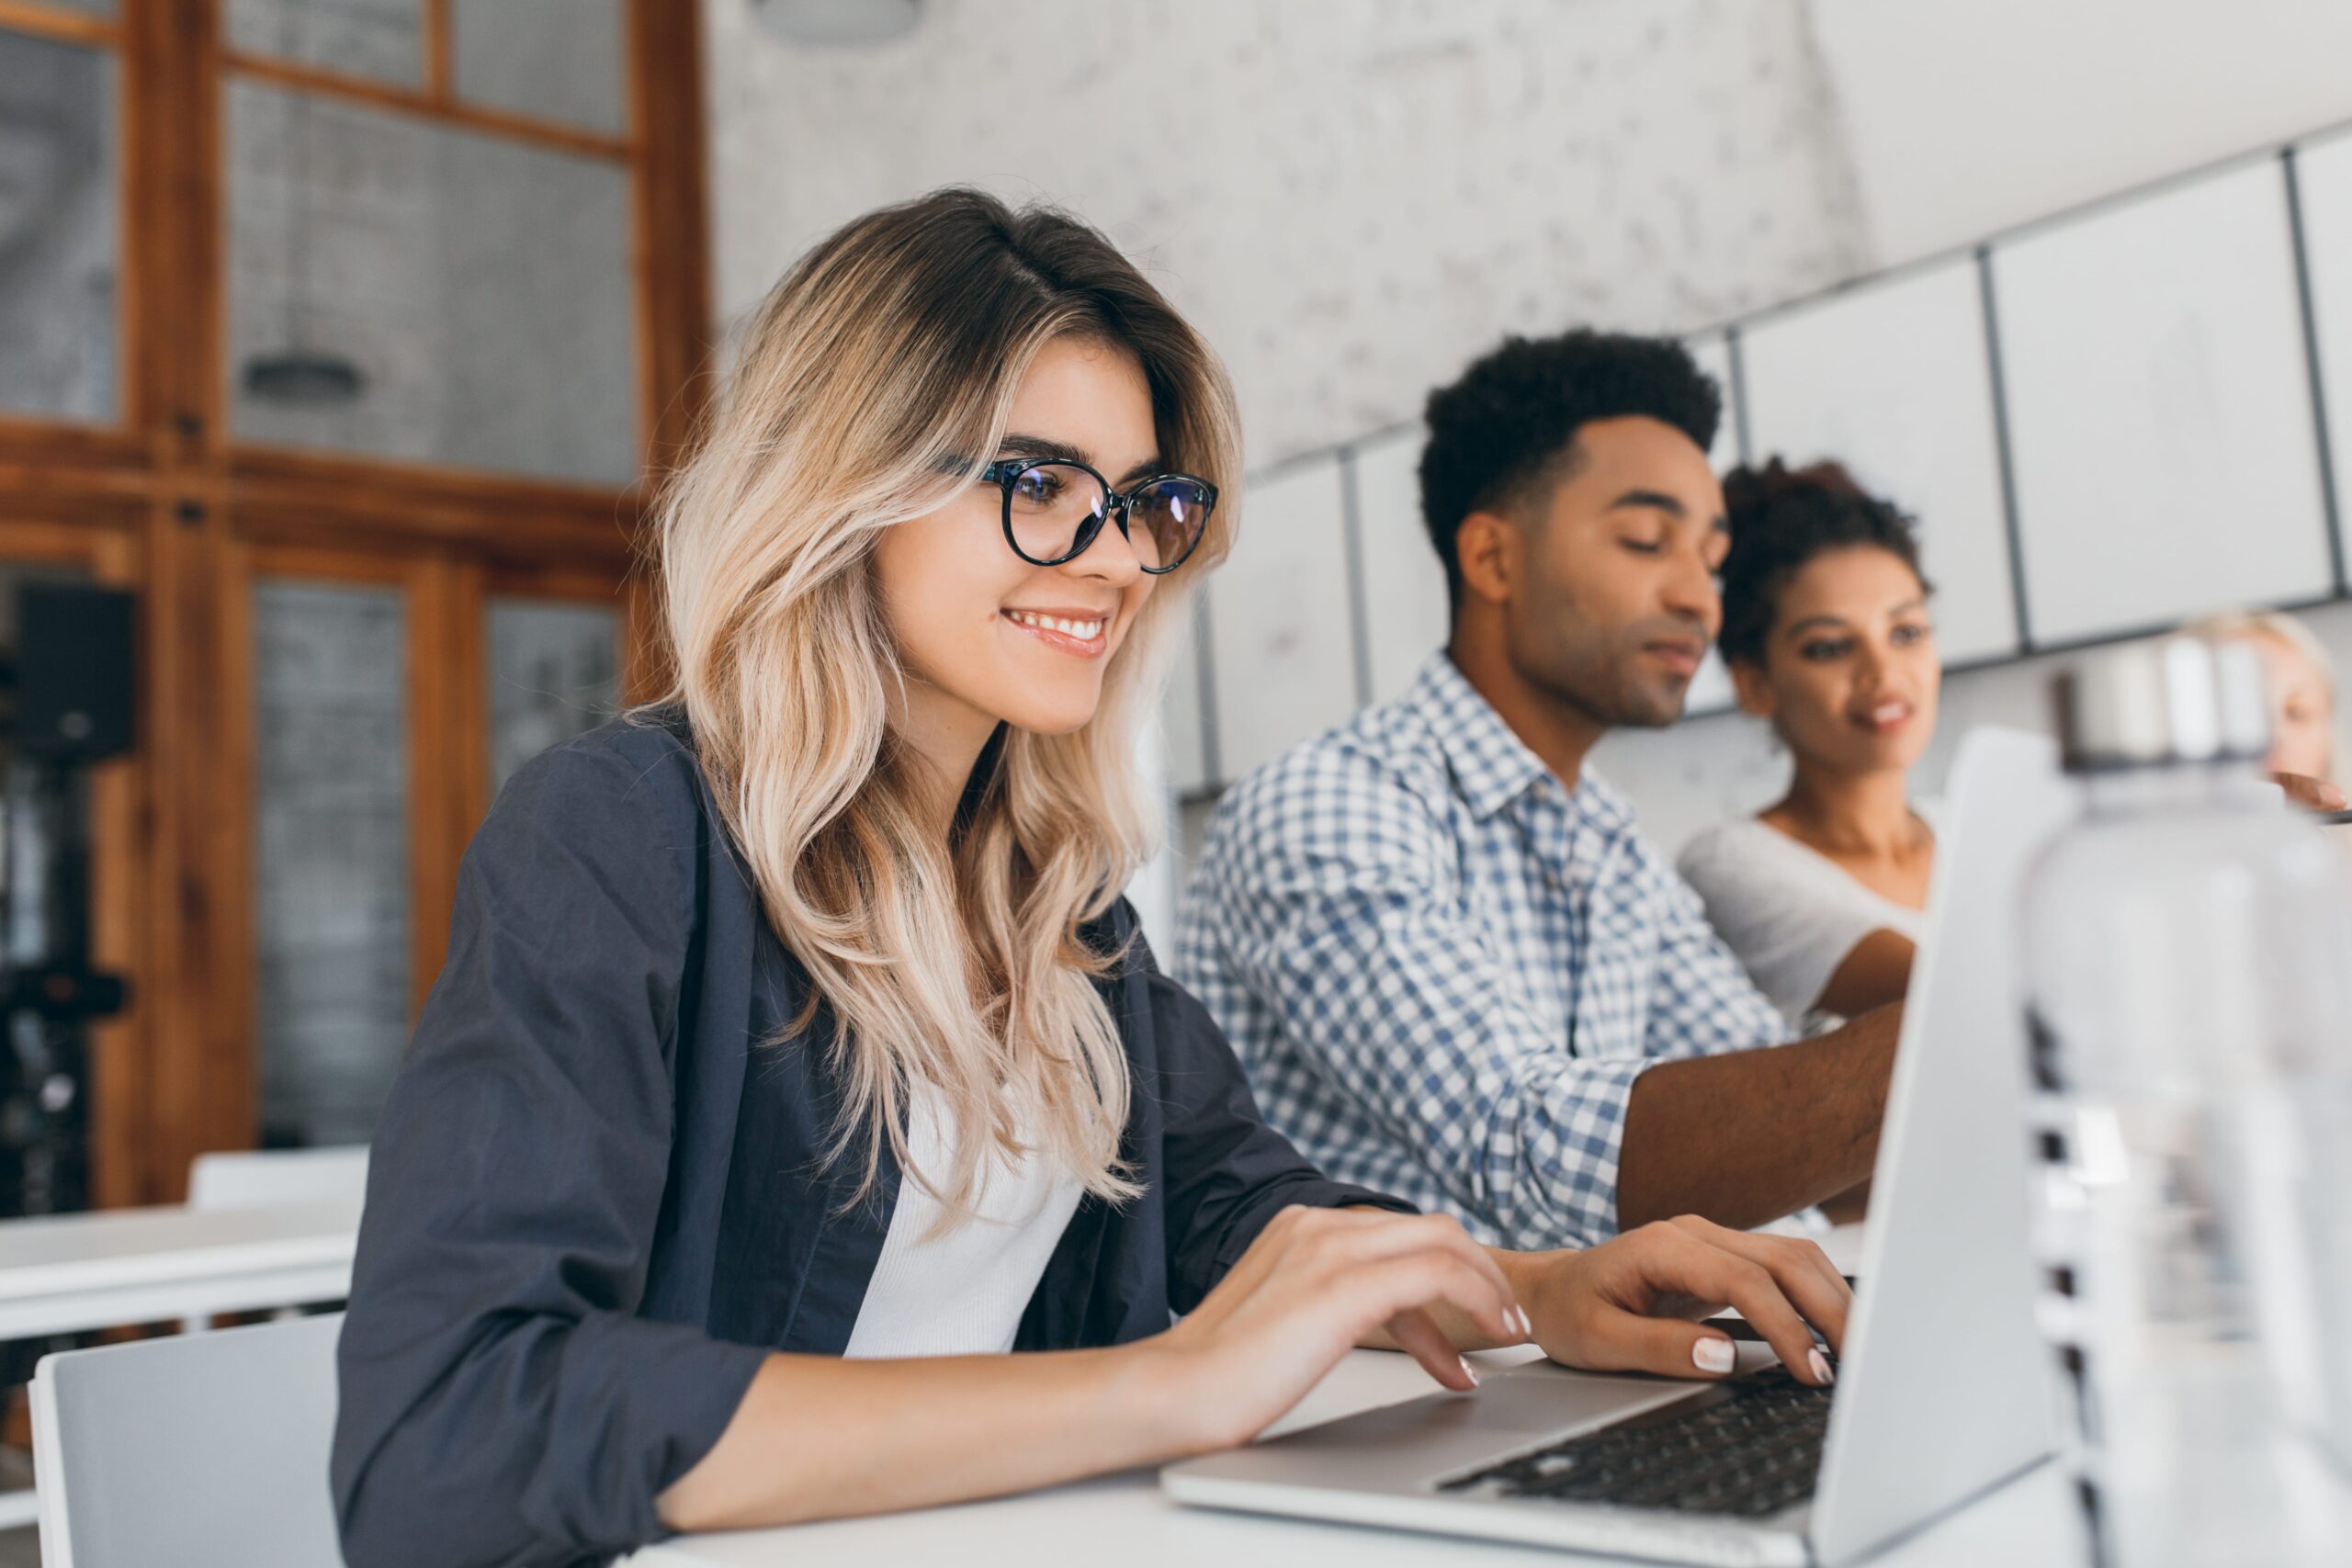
column 501, row 1401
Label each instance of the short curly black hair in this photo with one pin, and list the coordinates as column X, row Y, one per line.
column 1506, row 428
column 1782, row 518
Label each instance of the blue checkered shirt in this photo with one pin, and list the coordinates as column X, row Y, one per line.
column 1444, row 971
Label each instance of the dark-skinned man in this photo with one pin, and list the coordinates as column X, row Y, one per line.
column 1453, row 965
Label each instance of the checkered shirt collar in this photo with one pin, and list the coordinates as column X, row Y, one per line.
column 1491, row 765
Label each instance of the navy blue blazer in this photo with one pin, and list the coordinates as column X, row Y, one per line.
column 597, row 1200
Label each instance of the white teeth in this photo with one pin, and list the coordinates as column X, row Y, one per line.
column 1084, row 631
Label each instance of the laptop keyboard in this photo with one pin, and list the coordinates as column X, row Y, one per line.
column 1751, row 1448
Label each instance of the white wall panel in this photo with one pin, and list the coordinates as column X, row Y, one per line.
column 2159, row 412
column 1714, row 354
column 1711, row 687
column 1893, row 381
column 1280, row 638
column 1406, row 615
column 2325, row 173
column 1182, row 722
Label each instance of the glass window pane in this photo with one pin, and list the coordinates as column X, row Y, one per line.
column 45, row 890
column 331, row 874
column 404, row 289
column 555, row 671
column 57, row 229
column 559, row 59
column 380, row 38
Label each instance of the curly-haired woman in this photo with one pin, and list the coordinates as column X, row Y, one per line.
column 1827, row 635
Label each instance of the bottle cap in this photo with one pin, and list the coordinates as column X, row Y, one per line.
column 2163, row 700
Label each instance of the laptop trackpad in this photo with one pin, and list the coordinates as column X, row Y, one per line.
column 1399, row 1444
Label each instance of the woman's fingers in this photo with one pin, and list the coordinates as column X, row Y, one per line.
column 1355, row 1271
column 1370, row 1294
column 1368, row 1234
column 1721, row 1275
column 2312, row 795
column 1668, row 1262
column 1800, row 1268
column 1670, row 1346
column 1416, row 1333
column 1365, row 1239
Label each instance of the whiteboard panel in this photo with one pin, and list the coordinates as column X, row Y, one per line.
column 1182, row 735
column 1406, row 615
column 1279, row 629
column 1893, row 381
column 1714, row 354
column 2159, row 412
column 2326, row 171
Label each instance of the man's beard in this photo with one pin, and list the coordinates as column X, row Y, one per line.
column 1603, row 680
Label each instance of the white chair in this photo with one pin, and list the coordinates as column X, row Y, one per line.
column 195, row 1449
column 260, row 1178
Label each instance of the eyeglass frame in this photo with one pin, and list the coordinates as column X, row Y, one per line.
column 1003, row 471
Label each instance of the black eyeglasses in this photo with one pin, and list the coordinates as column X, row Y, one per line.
column 1055, row 507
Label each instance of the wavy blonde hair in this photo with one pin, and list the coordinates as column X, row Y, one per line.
column 869, row 381
column 2238, row 626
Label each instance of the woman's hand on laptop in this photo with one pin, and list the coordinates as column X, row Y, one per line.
column 1632, row 1304
column 1314, row 1285
column 1318, row 1283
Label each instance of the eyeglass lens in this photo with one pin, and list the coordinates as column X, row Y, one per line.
column 1052, row 508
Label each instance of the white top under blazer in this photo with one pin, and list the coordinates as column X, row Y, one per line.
column 1789, row 911
column 962, row 1294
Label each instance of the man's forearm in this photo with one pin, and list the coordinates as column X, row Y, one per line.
column 1751, row 1136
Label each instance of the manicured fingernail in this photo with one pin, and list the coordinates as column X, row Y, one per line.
column 1518, row 1316
column 1820, row 1365
column 1468, row 1370
column 1715, row 1355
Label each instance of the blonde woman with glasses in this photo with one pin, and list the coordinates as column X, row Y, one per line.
column 800, row 1126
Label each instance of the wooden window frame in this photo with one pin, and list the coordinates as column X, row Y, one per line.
column 169, row 504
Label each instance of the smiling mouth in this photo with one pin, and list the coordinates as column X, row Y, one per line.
column 1082, row 635
column 1884, row 717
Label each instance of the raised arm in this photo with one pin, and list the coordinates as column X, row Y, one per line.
column 1744, row 1135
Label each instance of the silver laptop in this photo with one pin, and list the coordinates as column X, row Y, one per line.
column 1943, row 1392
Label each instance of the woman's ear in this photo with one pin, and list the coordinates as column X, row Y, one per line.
column 1755, row 692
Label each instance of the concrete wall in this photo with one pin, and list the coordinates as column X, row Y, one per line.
column 1961, row 116
column 1373, row 189
column 1351, row 196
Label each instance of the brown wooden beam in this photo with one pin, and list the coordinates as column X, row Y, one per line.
column 440, row 74
column 65, row 27
column 424, row 105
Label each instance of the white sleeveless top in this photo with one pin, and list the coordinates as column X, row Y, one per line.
column 962, row 1294
column 1790, row 912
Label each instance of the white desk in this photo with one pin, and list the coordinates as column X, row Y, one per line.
column 1125, row 1520
column 71, row 1272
